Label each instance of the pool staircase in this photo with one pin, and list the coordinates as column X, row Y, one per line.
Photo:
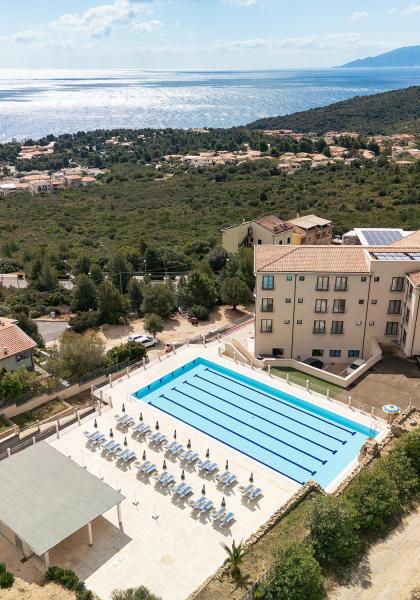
column 234, row 349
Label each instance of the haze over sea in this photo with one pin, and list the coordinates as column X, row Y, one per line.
column 34, row 103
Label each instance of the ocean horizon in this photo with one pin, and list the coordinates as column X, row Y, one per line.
column 37, row 102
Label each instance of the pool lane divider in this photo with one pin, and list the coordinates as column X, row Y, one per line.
column 277, row 412
column 270, row 466
column 239, row 435
column 302, row 437
column 281, row 401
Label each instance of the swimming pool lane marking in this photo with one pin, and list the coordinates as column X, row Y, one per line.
column 292, row 462
column 224, row 441
column 302, row 437
column 281, row 401
column 277, row 412
column 217, row 410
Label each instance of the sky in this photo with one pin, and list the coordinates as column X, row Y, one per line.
column 201, row 34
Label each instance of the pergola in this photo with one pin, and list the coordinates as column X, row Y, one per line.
column 45, row 497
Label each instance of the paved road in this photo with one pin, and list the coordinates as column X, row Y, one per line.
column 51, row 330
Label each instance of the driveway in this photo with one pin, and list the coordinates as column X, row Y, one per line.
column 51, row 329
column 392, row 568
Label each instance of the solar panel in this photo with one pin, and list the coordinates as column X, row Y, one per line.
column 391, row 256
column 381, row 237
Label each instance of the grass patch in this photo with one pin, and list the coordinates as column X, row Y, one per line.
column 260, row 556
column 318, row 385
column 49, row 409
column 3, row 424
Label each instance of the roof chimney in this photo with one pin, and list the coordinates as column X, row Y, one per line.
column 5, row 350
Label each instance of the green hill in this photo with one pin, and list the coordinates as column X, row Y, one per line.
column 388, row 112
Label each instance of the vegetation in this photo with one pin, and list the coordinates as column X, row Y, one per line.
column 14, row 384
column 77, row 355
column 6, row 578
column 234, row 558
column 69, row 580
column 235, row 291
column 139, row 593
column 153, row 323
column 40, row 413
column 129, row 351
column 387, row 112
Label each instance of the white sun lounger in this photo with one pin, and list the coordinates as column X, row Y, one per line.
column 207, row 506
column 97, row 440
column 203, row 465
column 108, row 445
column 115, row 449
column 142, row 429
column 256, row 493
column 230, row 480
column 226, row 519
column 187, row 490
column 196, row 504
column 150, row 469
column 179, row 488
column 158, row 438
column 92, row 435
column 128, row 455
column 170, row 446
column 217, row 514
column 247, row 489
column 168, row 480
column 123, row 419
column 143, row 466
column 222, row 477
column 193, row 457
column 212, row 467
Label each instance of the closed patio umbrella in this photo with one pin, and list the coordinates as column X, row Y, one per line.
column 189, row 444
column 183, row 475
column 164, row 465
column 223, row 502
column 227, row 466
column 125, row 441
column 251, row 478
column 123, row 408
column 141, row 417
column 203, row 490
column 208, row 453
column 175, row 434
column 144, row 454
column 95, row 424
column 157, row 425
column 111, row 433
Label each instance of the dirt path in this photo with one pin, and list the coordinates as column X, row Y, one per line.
column 392, row 569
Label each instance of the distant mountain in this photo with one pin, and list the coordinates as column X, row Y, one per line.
column 401, row 57
column 388, row 112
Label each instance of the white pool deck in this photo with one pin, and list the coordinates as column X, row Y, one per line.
column 164, row 545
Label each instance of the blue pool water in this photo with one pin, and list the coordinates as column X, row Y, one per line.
column 295, row 438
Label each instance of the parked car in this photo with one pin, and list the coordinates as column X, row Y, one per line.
column 313, row 362
column 354, row 365
column 147, row 340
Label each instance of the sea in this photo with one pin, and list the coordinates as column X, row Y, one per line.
column 36, row 102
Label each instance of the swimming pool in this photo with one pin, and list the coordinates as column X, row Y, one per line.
column 296, row 438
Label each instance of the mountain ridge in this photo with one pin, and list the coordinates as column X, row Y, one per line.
column 406, row 56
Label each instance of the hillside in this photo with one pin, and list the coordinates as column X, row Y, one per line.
column 408, row 56
column 388, row 112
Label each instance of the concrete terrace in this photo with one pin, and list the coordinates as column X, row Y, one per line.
column 163, row 544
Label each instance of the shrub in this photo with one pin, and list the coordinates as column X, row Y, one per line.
column 70, row 581
column 153, row 323
column 35, row 314
column 199, row 312
column 375, row 497
column 297, row 576
column 84, row 321
column 410, row 444
column 400, row 468
column 333, row 530
column 139, row 593
column 6, row 578
column 129, row 351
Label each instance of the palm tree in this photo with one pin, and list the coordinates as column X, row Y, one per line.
column 234, row 558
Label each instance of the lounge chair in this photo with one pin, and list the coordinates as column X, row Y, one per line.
column 170, row 446
column 203, row 465
column 115, row 449
column 123, row 419
column 196, row 504
column 255, row 494
column 222, row 477
column 123, row 454
column 128, row 455
column 217, row 514
column 158, row 438
column 168, row 480
column 212, row 468
column 142, row 429
column 245, row 491
column 230, row 480
column 187, row 490
column 207, row 506
column 150, row 469
column 93, row 435
column 176, row 449
column 97, row 440
column 226, row 519
column 193, row 457
column 179, row 488
column 143, row 466
column 107, row 446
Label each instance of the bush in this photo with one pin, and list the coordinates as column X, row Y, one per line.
column 84, row 320
column 400, row 468
column 6, row 578
column 410, row 444
column 199, row 312
column 333, row 531
column 297, row 576
column 139, row 593
column 153, row 323
column 129, row 351
column 375, row 497
column 70, row 581
column 35, row 314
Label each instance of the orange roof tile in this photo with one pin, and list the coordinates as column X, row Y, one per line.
column 273, row 223
column 409, row 240
column 14, row 341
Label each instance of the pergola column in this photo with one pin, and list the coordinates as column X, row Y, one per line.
column 47, row 560
column 89, row 526
column 119, row 514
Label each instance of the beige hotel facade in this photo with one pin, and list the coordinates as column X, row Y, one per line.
column 333, row 301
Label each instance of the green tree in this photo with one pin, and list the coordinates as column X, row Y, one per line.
column 235, row 291
column 84, row 321
column 241, row 264
column 82, row 265
column 47, row 279
column 199, row 289
column 153, row 323
column 96, row 274
column 375, row 497
column 297, row 576
column 159, row 299
column 84, row 294
column 217, row 258
column 14, row 383
column 30, row 327
column 135, row 294
column 129, row 351
column 410, row 445
column 77, row 355
column 111, row 304
column 235, row 555
column 333, row 530
column 120, row 272
column 139, row 593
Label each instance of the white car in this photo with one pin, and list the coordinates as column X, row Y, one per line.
column 147, row 340
column 354, row 365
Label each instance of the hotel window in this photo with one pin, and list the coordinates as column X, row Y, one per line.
column 353, row 353
column 268, row 282
column 335, row 353
column 391, row 328
column 397, row 284
column 339, row 306
column 340, row 284
column 266, row 304
column 301, row 277
column 322, row 283
column 317, row 352
column 361, row 301
column 289, row 278
column 319, row 326
column 278, row 351
column 407, row 315
column 374, row 302
column 288, row 300
column 280, row 242
column 286, row 321
column 259, row 242
column 337, row 327
column 288, row 240
column 404, row 337
column 300, row 300
column 266, row 325
column 299, row 322
column 363, row 279
column 320, row 306
column 371, row 323
column 394, row 307
column 376, row 279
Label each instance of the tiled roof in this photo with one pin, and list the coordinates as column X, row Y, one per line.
column 319, row 259
column 309, row 221
column 273, row 223
column 409, row 240
column 13, row 341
